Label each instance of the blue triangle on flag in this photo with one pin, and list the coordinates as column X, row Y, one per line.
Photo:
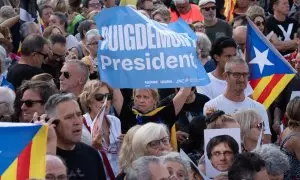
column 13, row 140
column 274, row 62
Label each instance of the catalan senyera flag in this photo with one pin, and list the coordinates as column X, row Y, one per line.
column 23, row 151
column 229, row 6
column 269, row 71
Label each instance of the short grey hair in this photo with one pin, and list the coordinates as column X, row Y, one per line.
column 83, row 67
column 175, row 157
column 203, row 43
column 7, row 99
column 277, row 163
column 180, row 1
column 234, row 61
column 140, row 168
column 54, row 100
column 91, row 34
column 25, row 30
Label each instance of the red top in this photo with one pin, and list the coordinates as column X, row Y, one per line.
column 193, row 15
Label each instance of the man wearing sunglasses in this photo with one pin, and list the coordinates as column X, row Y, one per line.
column 74, row 75
column 214, row 27
column 34, row 95
column 234, row 99
column 55, row 61
column 34, row 51
column 83, row 162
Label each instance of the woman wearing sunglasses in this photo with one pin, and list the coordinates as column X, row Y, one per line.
column 257, row 15
column 92, row 99
column 251, row 128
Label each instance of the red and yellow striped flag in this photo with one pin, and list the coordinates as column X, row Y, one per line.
column 19, row 162
column 229, row 6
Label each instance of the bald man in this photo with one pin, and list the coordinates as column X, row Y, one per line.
column 240, row 35
column 55, row 168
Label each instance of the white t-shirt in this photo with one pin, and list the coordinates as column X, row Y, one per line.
column 115, row 132
column 230, row 107
column 217, row 87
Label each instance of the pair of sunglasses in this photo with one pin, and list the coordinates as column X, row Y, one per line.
column 66, row 74
column 30, row 103
column 258, row 23
column 101, row 97
column 40, row 53
column 209, row 8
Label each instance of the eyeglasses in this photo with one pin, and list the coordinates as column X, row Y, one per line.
column 59, row 177
column 40, row 53
column 225, row 153
column 156, row 143
column 66, row 74
column 209, row 8
column 101, row 97
column 258, row 126
column 93, row 44
column 260, row 23
column 238, row 74
column 30, row 103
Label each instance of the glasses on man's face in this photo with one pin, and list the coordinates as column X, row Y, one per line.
column 30, row 103
column 259, row 23
column 59, row 177
column 209, row 8
column 156, row 143
column 239, row 75
column 66, row 74
column 219, row 153
column 40, row 53
column 101, row 97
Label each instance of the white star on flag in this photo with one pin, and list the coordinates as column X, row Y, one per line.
column 261, row 59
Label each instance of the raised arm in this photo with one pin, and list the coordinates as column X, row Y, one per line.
column 118, row 101
column 10, row 22
column 180, row 99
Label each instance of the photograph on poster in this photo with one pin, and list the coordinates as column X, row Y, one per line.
column 221, row 145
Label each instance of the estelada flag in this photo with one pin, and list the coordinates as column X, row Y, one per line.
column 269, row 71
column 229, row 6
column 23, row 151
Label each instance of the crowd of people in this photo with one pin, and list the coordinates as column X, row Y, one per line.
column 49, row 74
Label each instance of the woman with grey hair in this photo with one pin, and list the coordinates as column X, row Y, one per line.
column 203, row 48
column 92, row 37
column 178, row 167
column 7, row 98
column 251, row 127
column 4, row 64
column 277, row 163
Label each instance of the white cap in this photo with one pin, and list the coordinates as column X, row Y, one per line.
column 3, row 54
column 203, row 2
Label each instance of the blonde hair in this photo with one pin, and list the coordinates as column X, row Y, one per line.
column 153, row 92
column 245, row 119
column 144, row 135
column 89, row 89
column 126, row 156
